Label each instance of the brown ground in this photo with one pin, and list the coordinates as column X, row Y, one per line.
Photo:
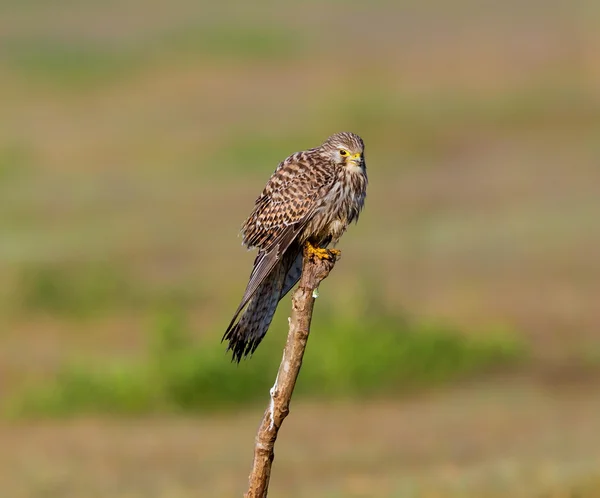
column 498, row 439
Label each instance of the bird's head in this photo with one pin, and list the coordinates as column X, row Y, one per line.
column 345, row 149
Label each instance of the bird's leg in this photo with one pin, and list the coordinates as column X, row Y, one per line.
column 321, row 253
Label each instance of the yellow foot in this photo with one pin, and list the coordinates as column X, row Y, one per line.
column 320, row 253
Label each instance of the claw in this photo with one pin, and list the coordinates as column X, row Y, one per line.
column 320, row 253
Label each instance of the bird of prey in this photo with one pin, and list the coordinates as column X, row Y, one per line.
column 310, row 199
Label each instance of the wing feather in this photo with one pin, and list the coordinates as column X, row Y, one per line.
column 286, row 205
column 263, row 265
column 290, row 197
column 292, row 276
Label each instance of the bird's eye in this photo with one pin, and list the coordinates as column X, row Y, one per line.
column 343, row 152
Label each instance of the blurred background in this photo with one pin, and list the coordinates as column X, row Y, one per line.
column 455, row 349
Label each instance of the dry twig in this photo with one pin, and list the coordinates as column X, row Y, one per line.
column 314, row 270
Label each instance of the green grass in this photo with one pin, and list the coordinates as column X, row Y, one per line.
column 90, row 289
column 425, row 127
column 69, row 65
column 248, row 151
column 15, row 160
column 369, row 357
column 229, row 41
column 434, row 124
column 75, row 290
column 75, row 64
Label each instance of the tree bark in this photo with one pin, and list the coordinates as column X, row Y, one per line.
column 314, row 270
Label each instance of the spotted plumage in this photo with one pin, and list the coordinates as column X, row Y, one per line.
column 311, row 197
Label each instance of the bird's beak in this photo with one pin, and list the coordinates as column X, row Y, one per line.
column 356, row 159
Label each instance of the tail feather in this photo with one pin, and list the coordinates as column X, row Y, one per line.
column 245, row 335
column 293, row 275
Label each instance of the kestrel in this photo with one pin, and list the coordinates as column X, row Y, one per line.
column 310, row 199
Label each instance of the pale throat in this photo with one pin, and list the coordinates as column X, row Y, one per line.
column 354, row 168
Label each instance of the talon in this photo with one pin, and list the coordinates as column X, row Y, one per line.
column 320, row 253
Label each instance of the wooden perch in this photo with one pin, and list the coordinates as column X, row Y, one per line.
column 314, row 270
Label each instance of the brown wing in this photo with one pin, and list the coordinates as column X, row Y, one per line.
column 287, row 203
column 288, row 198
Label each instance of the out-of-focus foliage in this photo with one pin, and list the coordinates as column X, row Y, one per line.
column 90, row 290
column 366, row 358
column 134, row 139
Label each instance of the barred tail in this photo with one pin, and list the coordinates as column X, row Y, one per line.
column 245, row 335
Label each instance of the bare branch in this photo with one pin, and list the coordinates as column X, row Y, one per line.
column 314, row 270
